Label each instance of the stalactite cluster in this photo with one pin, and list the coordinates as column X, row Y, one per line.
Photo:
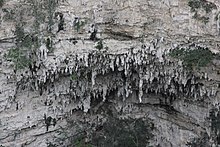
column 96, row 75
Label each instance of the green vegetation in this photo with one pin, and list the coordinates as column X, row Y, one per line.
column 203, row 141
column 19, row 33
column 49, row 44
column 123, row 133
column 73, row 77
column 9, row 14
column 203, row 19
column 196, row 5
column 49, row 144
column 51, row 8
column 61, row 21
column 215, row 121
column 114, row 132
column 193, row 57
column 80, row 142
column 1, row 3
column 19, row 58
column 49, row 121
column 27, row 42
column 99, row 45
column 214, row 117
column 78, row 24
column 203, row 4
column 206, row 140
column 43, row 12
column 20, row 55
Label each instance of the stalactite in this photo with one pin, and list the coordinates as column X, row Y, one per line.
column 140, row 90
column 218, row 23
column 143, row 70
column 93, row 77
column 104, row 92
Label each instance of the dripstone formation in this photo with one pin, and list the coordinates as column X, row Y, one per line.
column 73, row 71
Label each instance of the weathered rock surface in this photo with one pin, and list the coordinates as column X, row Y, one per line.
column 133, row 70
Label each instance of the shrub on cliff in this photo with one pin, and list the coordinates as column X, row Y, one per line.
column 19, row 58
column 198, row 5
column 114, row 132
column 123, row 133
column 198, row 57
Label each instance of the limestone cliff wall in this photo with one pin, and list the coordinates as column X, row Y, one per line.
column 84, row 53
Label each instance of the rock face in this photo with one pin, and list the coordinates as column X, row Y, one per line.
column 74, row 59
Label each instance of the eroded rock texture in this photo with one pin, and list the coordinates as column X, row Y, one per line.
column 78, row 62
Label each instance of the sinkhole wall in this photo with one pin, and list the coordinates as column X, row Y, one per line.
column 63, row 60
